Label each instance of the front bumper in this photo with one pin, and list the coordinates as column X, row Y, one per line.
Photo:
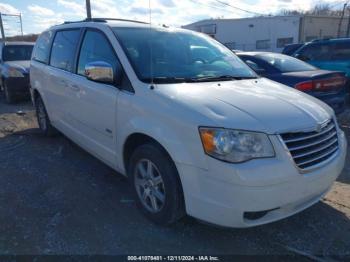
column 225, row 193
column 19, row 86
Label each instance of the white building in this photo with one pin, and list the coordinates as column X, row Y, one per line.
column 269, row 33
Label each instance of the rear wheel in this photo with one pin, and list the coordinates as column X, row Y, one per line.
column 43, row 119
column 9, row 96
column 156, row 184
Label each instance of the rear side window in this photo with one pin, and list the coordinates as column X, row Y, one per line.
column 316, row 52
column 95, row 47
column 253, row 65
column 285, row 63
column 41, row 50
column 341, row 51
column 63, row 49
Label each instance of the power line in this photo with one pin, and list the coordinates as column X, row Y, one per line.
column 212, row 6
column 7, row 19
column 238, row 8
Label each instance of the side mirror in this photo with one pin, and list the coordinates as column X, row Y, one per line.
column 100, row 71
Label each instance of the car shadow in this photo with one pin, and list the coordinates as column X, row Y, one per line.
column 57, row 199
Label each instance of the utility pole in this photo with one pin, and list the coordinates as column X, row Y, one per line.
column 341, row 19
column 20, row 20
column 88, row 9
column 19, row 16
column 3, row 38
column 348, row 29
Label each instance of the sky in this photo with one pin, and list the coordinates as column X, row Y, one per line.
column 38, row 15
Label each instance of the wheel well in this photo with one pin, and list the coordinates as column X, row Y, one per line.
column 36, row 94
column 135, row 140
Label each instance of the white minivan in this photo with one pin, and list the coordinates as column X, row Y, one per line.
column 194, row 128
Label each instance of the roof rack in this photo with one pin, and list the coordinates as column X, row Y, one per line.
column 104, row 20
column 328, row 39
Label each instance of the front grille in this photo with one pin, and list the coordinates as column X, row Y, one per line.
column 312, row 148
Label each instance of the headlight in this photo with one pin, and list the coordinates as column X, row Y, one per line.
column 14, row 72
column 235, row 145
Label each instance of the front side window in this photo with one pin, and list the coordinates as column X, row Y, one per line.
column 17, row 52
column 178, row 55
column 96, row 48
column 41, row 50
column 63, row 49
column 285, row 63
column 253, row 64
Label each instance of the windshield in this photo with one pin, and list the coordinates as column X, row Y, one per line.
column 178, row 55
column 286, row 63
column 17, row 52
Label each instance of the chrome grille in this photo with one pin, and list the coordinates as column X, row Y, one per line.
column 312, row 148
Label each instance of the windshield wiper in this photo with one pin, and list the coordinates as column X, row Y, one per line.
column 220, row 78
column 164, row 80
column 173, row 79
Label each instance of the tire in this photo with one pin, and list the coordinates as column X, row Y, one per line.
column 159, row 196
column 43, row 119
column 9, row 96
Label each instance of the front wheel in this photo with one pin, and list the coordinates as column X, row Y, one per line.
column 156, row 184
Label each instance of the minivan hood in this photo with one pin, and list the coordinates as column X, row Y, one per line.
column 22, row 65
column 256, row 105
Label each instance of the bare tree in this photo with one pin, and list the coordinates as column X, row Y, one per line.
column 29, row 38
column 318, row 9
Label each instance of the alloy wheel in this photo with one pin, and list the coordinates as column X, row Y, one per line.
column 149, row 185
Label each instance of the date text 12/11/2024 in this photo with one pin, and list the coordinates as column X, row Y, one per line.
column 173, row 258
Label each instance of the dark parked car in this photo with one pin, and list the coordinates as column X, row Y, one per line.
column 328, row 86
column 14, row 69
column 290, row 49
column 328, row 54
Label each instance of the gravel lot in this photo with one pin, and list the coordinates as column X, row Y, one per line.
column 57, row 199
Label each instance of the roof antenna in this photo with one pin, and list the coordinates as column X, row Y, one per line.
column 151, row 47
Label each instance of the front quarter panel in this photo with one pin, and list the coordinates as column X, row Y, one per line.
column 148, row 114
